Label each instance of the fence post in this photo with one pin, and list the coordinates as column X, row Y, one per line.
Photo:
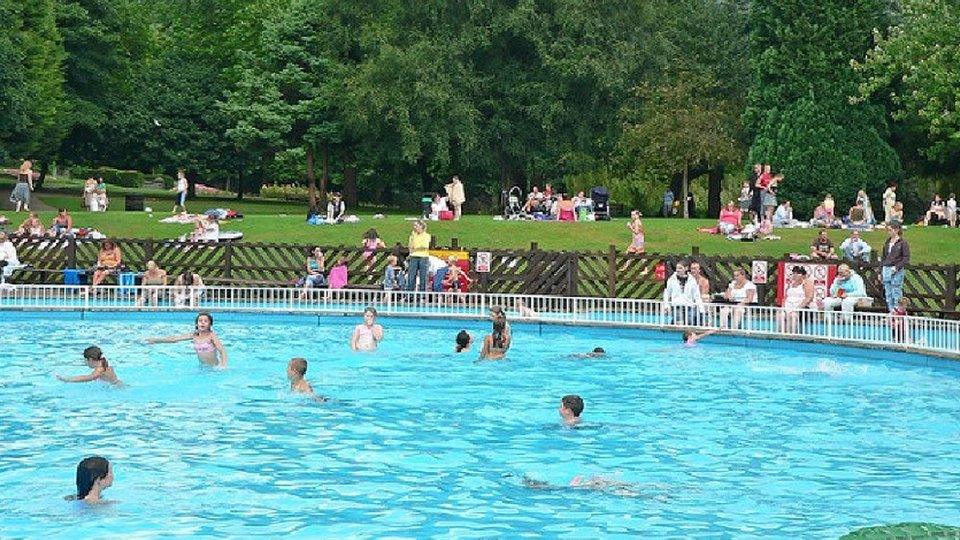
column 694, row 251
column 612, row 271
column 71, row 251
column 148, row 250
column 573, row 272
column 950, row 298
column 455, row 243
column 228, row 260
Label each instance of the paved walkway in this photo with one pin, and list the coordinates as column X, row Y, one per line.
column 35, row 204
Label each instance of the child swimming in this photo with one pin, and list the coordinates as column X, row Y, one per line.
column 94, row 474
column 209, row 349
column 102, row 370
column 571, row 406
column 464, row 340
column 368, row 335
column 690, row 338
column 597, row 352
column 296, row 371
column 497, row 343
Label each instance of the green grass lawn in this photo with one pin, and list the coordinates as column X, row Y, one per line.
column 281, row 221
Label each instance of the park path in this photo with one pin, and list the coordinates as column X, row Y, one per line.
column 36, row 203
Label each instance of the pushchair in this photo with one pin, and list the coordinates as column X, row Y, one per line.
column 601, row 203
column 512, row 202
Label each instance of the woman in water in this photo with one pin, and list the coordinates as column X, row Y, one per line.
column 464, row 340
column 209, row 349
column 368, row 335
column 94, row 474
column 98, row 363
column 496, row 344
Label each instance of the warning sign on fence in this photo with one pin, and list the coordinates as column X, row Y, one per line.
column 483, row 261
column 759, row 272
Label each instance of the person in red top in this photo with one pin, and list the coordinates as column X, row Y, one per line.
column 763, row 182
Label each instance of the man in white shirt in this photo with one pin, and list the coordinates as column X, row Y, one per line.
column 952, row 210
column 8, row 256
column 682, row 296
column 854, row 249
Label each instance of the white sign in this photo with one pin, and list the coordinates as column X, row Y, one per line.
column 483, row 261
column 759, row 272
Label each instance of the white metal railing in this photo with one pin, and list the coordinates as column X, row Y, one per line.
column 920, row 334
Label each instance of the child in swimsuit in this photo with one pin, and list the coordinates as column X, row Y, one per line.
column 690, row 338
column 209, row 349
column 371, row 242
column 102, row 371
column 368, row 335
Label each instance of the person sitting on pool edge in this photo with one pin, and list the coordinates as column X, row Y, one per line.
column 94, row 474
column 496, row 344
column 368, row 335
column 571, row 406
column 98, row 363
column 464, row 340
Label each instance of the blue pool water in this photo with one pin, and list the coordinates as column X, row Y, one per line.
column 719, row 440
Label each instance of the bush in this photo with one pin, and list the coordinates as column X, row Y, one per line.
column 286, row 192
column 130, row 179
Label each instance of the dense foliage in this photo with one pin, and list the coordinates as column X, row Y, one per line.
column 383, row 100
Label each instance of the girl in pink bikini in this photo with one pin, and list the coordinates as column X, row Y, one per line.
column 368, row 335
column 209, row 349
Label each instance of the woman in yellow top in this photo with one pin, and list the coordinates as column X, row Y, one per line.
column 419, row 260
column 108, row 260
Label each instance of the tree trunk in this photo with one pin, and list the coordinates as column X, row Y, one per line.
column 311, row 178
column 325, row 177
column 713, row 196
column 686, row 189
column 44, row 168
column 192, row 184
column 350, row 180
column 240, row 185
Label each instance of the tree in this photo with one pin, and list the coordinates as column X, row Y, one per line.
column 802, row 80
column 914, row 65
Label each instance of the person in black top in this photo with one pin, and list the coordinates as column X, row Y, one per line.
column 896, row 255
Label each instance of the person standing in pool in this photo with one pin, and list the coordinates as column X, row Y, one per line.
column 497, row 312
column 94, row 474
column 209, row 349
column 571, row 406
column 368, row 335
column 102, row 371
column 497, row 343
column 296, row 371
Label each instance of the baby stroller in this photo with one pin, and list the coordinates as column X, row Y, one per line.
column 601, row 203
column 512, row 202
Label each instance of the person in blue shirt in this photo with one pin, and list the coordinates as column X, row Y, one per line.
column 847, row 289
column 854, row 249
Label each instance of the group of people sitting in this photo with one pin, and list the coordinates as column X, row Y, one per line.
column 33, row 226
column 550, row 205
column 335, row 211
column 941, row 211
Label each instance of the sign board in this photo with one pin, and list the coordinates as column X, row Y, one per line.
column 759, row 272
column 483, row 261
column 820, row 275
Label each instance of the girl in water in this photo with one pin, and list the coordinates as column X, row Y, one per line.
column 690, row 338
column 94, row 474
column 496, row 344
column 368, row 335
column 209, row 349
column 98, row 363
column 464, row 340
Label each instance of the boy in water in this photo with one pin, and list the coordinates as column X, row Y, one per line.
column 296, row 371
column 570, row 408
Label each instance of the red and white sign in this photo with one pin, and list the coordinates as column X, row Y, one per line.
column 759, row 272
column 821, row 275
column 483, row 261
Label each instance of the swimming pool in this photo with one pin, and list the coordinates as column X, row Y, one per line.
column 724, row 439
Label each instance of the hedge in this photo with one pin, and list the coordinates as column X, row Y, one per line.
column 131, row 179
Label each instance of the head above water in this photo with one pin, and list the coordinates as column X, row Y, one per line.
column 204, row 316
column 573, row 403
column 298, row 366
column 463, row 340
column 93, row 353
column 93, row 472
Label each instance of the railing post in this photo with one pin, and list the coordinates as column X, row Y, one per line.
column 71, row 251
column 612, row 271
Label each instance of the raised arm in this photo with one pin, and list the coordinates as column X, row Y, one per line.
column 378, row 333
column 170, row 339
column 485, row 351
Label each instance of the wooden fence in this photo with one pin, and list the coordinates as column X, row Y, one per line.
column 610, row 273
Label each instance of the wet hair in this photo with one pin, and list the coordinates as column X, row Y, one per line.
column 599, row 350
column 574, row 403
column 463, row 340
column 499, row 326
column 196, row 322
column 371, row 234
column 370, row 309
column 299, row 366
column 687, row 334
column 800, row 270
column 94, row 353
column 89, row 470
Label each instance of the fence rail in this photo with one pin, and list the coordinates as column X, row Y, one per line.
column 916, row 334
column 932, row 289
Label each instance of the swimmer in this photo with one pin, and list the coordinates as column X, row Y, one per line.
column 94, row 474
column 368, row 335
column 496, row 344
column 464, row 341
column 597, row 352
column 296, row 371
column 570, row 408
column 594, row 483
column 690, row 338
column 209, row 349
column 102, row 370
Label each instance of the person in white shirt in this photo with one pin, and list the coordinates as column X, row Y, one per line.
column 889, row 199
column 783, row 216
column 854, row 249
column 335, row 209
column 740, row 292
column 952, row 210
column 8, row 256
column 682, row 297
